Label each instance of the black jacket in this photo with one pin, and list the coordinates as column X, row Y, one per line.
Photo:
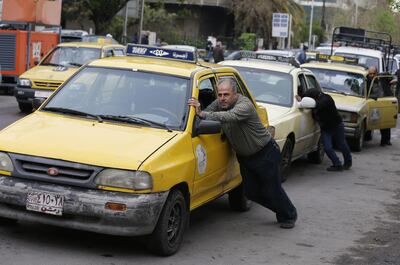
column 325, row 112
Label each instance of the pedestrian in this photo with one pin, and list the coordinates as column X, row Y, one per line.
column 218, row 53
column 332, row 129
column 257, row 152
column 376, row 92
column 302, row 57
column 209, row 50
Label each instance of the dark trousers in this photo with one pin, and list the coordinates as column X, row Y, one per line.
column 262, row 181
column 337, row 135
column 385, row 136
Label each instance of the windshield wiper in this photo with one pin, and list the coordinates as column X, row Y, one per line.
column 75, row 64
column 133, row 119
column 334, row 90
column 74, row 112
column 53, row 64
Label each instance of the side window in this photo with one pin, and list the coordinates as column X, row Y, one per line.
column 108, row 53
column 312, row 82
column 207, row 92
column 301, row 85
column 119, row 52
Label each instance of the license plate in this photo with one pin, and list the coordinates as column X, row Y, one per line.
column 42, row 94
column 45, row 202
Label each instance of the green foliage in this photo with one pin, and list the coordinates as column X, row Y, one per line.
column 303, row 34
column 384, row 21
column 247, row 41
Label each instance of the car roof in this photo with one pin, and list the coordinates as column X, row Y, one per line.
column 337, row 66
column 89, row 45
column 359, row 51
column 164, row 66
column 273, row 66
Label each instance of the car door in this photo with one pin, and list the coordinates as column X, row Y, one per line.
column 212, row 152
column 382, row 110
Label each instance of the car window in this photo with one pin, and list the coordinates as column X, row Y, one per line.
column 301, row 85
column 362, row 59
column 119, row 52
column 102, row 91
column 312, row 82
column 340, row 81
column 71, row 56
column 268, row 86
column 207, row 92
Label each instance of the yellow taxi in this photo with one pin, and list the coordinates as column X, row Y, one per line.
column 117, row 150
column 274, row 81
column 346, row 82
column 57, row 66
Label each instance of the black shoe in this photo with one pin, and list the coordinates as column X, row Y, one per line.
column 288, row 224
column 386, row 143
column 335, row 168
column 347, row 165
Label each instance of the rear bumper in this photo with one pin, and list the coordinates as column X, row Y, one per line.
column 84, row 209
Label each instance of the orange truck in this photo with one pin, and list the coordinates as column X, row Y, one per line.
column 21, row 46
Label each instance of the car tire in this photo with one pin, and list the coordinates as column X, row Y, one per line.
column 356, row 144
column 7, row 221
column 167, row 236
column 237, row 199
column 286, row 161
column 317, row 156
column 25, row 107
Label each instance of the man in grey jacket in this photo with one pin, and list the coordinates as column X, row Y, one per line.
column 258, row 154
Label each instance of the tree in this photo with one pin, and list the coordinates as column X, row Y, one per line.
column 101, row 12
column 256, row 16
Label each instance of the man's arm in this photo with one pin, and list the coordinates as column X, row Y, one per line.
column 241, row 111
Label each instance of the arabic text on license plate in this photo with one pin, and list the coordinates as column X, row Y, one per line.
column 45, row 202
column 42, row 94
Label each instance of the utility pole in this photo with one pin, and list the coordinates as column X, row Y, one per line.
column 141, row 24
column 323, row 26
column 311, row 22
column 124, row 32
column 356, row 15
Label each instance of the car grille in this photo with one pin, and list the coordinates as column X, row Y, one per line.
column 54, row 170
column 46, row 85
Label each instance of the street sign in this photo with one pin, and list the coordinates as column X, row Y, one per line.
column 280, row 25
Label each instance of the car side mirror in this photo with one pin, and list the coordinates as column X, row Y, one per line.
column 37, row 102
column 36, row 62
column 206, row 127
column 307, row 103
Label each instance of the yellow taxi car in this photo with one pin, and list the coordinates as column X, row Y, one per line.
column 61, row 62
column 274, row 83
column 117, row 150
column 346, row 82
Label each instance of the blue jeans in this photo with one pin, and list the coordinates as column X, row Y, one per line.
column 337, row 135
column 262, row 181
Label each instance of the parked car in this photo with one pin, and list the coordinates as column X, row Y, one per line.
column 117, row 150
column 347, row 84
column 274, row 86
column 57, row 66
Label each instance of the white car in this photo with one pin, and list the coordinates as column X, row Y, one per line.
column 367, row 57
column 274, row 86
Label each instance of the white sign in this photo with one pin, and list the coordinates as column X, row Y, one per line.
column 36, row 49
column 201, row 156
column 280, row 25
column 1, row 9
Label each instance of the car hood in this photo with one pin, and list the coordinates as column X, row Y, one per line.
column 84, row 141
column 347, row 103
column 275, row 112
column 53, row 73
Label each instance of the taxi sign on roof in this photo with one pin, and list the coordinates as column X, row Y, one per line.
column 160, row 52
column 336, row 58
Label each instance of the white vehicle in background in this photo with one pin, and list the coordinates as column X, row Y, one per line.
column 367, row 57
column 325, row 49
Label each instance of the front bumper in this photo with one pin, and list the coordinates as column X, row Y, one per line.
column 351, row 130
column 84, row 209
column 26, row 95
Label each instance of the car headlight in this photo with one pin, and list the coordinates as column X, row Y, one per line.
column 132, row 180
column 6, row 165
column 349, row 116
column 24, row 82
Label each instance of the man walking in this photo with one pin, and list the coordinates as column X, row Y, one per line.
column 332, row 129
column 258, row 154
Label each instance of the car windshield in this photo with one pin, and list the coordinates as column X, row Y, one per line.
column 362, row 59
column 71, row 56
column 125, row 96
column 269, row 86
column 340, row 81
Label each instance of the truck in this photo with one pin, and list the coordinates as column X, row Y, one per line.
column 22, row 43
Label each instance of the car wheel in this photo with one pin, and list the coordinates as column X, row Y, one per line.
column 318, row 155
column 237, row 199
column 356, row 144
column 286, row 161
column 25, row 107
column 7, row 221
column 168, row 234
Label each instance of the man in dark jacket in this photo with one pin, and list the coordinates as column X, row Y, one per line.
column 332, row 129
column 218, row 53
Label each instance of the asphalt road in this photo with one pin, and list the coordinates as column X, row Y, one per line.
column 350, row 217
